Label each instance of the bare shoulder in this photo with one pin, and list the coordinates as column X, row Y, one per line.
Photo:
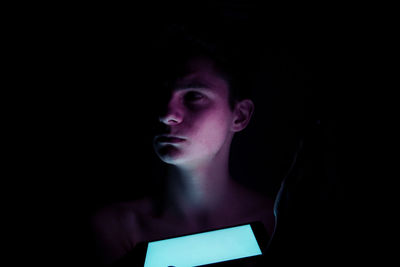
column 256, row 206
column 116, row 227
column 125, row 215
column 254, row 199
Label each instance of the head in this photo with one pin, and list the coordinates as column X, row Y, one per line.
column 202, row 107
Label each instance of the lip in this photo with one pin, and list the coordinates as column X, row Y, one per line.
column 169, row 139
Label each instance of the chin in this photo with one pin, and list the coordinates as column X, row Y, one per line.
column 170, row 154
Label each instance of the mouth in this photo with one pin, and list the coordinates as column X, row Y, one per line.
column 168, row 139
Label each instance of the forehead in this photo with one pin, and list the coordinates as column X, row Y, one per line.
column 201, row 72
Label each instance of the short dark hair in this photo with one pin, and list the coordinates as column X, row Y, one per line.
column 179, row 43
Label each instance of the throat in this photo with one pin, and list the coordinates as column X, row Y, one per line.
column 198, row 195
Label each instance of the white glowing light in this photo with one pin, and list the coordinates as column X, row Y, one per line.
column 203, row 248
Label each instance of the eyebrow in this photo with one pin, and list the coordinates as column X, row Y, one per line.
column 192, row 85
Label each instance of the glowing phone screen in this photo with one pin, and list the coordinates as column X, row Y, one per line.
column 203, row 248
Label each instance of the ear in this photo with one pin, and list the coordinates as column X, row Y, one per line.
column 242, row 114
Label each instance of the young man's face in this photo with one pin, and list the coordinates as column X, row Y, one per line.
column 198, row 116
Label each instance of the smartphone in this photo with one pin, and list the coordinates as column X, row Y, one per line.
column 223, row 246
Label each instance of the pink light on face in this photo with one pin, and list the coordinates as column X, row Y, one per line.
column 198, row 116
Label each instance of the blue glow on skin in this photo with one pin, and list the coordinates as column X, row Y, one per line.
column 203, row 248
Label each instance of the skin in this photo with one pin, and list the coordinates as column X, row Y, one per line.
column 198, row 128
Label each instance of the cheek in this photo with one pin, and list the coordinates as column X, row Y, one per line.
column 212, row 129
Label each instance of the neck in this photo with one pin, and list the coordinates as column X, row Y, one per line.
column 200, row 187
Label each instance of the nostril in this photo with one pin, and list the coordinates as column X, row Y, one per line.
column 171, row 119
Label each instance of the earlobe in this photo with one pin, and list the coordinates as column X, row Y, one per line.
column 242, row 114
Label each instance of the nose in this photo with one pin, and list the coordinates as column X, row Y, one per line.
column 173, row 115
